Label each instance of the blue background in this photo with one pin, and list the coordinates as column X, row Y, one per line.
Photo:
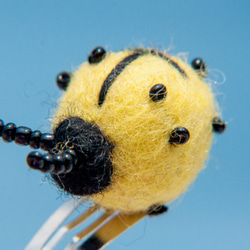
column 41, row 38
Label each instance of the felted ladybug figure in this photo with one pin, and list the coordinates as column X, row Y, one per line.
column 147, row 120
column 131, row 132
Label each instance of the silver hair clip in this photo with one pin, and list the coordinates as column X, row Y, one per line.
column 98, row 235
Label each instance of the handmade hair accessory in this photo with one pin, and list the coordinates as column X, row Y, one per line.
column 131, row 132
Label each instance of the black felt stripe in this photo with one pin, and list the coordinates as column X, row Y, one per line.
column 125, row 62
column 174, row 64
column 163, row 56
column 114, row 74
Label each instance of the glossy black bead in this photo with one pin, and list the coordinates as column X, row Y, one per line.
column 179, row 136
column 59, row 164
column 48, row 163
column 22, row 136
column 35, row 160
column 218, row 125
column 1, row 127
column 47, row 142
column 8, row 132
column 63, row 79
column 68, row 162
column 157, row 210
column 97, row 55
column 199, row 65
column 158, row 92
column 35, row 139
column 73, row 155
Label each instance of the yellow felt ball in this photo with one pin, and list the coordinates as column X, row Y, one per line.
column 155, row 110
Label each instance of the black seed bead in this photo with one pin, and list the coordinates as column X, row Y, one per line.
column 49, row 164
column 97, row 55
column 158, row 92
column 179, row 136
column 63, row 79
column 47, row 142
column 199, row 65
column 1, row 127
column 8, row 133
column 59, row 164
column 68, row 162
column 73, row 155
column 218, row 125
column 157, row 210
column 35, row 160
column 22, row 136
column 35, row 139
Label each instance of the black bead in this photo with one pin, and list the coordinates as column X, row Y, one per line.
column 35, row 160
column 22, row 136
column 8, row 133
column 47, row 142
column 199, row 65
column 179, row 135
column 157, row 210
column 158, row 92
column 97, row 55
column 93, row 242
column 35, row 139
column 63, row 79
column 68, row 162
column 73, row 155
column 49, row 164
column 1, row 127
column 218, row 125
column 59, row 164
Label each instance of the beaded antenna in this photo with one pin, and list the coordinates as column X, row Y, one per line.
column 131, row 132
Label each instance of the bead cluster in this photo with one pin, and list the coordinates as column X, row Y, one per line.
column 47, row 163
column 62, row 163
column 25, row 136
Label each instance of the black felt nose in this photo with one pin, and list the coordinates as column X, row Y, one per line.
column 93, row 170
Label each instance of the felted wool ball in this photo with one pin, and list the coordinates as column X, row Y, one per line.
column 141, row 122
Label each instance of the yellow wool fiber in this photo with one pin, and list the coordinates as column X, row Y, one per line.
column 147, row 169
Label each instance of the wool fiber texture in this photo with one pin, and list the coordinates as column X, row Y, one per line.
column 147, row 169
